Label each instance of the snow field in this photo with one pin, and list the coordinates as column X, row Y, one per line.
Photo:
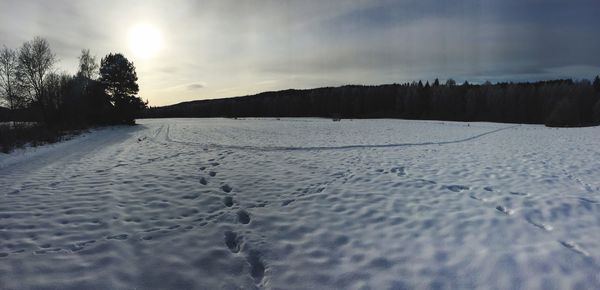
column 304, row 204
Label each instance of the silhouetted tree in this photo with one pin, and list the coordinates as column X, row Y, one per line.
column 119, row 79
column 10, row 88
column 555, row 103
column 565, row 113
column 596, row 113
column 88, row 67
column 597, row 83
column 36, row 61
column 84, row 101
column 54, row 84
column 62, row 102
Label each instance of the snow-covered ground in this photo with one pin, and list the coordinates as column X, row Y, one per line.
column 304, row 204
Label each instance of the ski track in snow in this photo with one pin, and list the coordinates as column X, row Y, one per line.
column 304, row 204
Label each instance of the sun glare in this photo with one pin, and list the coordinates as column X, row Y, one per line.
column 145, row 41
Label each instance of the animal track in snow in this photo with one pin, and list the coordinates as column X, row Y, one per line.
column 228, row 201
column 212, row 174
column 233, row 241
column 46, row 251
column 191, row 196
column 582, row 183
column 203, row 181
column 519, row 193
column 477, row 198
column 226, row 188
column 504, row 210
column 588, row 200
column 286, row 202
column 117, row 237
column 257, row 267
column 456, row 188
column 542, row 226
column 400, row 170
column 81, row 245
column 243, row 217
column 574, row 247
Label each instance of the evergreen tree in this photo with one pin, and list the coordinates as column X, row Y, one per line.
column 119, row 79
column 596, row 113
column 597, row 83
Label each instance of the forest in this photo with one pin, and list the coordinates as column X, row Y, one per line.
column 561, row 103
column 42, row 104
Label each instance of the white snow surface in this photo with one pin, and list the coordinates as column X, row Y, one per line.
column 304, row 204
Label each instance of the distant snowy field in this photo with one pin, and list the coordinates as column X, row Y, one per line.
column 304, row 204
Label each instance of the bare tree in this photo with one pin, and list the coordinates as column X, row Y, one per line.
column 55, row 85
column 36, row 61
column 88, row 67
column 9, row 85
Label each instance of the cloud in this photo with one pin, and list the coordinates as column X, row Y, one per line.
column 240, row 44
column 193, row 87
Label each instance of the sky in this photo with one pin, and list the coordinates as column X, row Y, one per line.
column 189, row 50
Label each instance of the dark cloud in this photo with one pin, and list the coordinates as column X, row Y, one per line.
column 193, row 87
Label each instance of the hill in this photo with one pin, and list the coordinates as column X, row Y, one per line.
column 554, row 103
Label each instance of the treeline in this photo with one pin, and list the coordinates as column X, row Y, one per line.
column 554, row 103
column 53, row 103
column 97, row 94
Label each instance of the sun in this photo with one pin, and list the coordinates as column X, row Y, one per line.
column 145, row 40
